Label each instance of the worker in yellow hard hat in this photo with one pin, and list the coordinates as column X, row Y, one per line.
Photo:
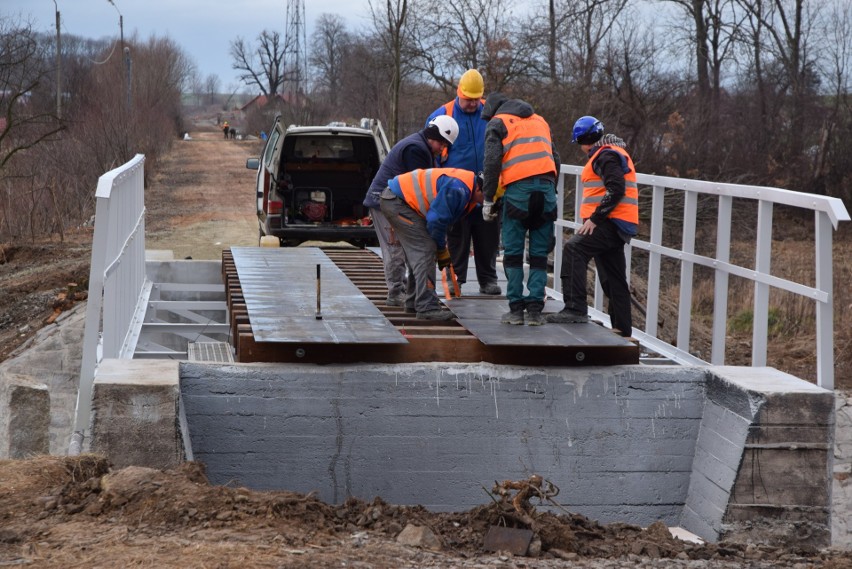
column 468, row 153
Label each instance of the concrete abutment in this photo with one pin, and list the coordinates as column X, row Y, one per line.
column 725, row 452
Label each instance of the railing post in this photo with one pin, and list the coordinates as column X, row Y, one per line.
column 684, row 317
column 762, row 264
column 720, row 286
column 559, row 232
column 824, row 310
column 652, row 310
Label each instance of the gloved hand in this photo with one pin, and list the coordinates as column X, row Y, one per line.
column 443, row 258
column 489, row 212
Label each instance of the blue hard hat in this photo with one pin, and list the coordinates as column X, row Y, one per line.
column 587, row 130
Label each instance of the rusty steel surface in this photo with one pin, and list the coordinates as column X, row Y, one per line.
column 482, row 318
column 273, row 318
column 279, row 287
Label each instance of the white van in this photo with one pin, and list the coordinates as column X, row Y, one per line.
column 311, row 181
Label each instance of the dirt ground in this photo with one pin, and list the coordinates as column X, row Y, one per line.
column 59, row 512
column 77, row 512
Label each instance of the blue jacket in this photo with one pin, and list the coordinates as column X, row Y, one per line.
column 468, row 150
column 410, row 153
column 449, row 206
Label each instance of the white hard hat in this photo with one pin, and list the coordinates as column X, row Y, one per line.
column 447, row 127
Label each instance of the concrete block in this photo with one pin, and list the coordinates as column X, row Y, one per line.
column 25, row 417
column 796, row 435
column 135, row 413
column 783, row 477
column 54, row 361
column 784, row 458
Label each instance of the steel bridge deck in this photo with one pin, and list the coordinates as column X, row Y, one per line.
column 275, row 317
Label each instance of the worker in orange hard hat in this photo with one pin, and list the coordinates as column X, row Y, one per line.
column 467, row 152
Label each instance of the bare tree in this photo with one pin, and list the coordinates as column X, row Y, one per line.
column 597, row 17
column 328, row 46
column 27, row 120
column 211, row 88
column 261, row 65
column 465, row 34
column 714, row 27
column 195, row 85
column 393, row 20
column 24, row 68
column 786, row 29
column 834, row 155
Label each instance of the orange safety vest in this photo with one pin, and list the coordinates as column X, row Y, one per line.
column 527, row 148
column 594, row 190
column 419, row 187
column 448, row 107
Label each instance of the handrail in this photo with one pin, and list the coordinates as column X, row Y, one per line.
column 828, row 213
column 117, row 281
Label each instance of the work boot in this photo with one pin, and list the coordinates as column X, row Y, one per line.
column 397, row 299
column 535, row 318
column 566, row 316
column 436, row 314
column 514, row 316
column 492, row 289
column 409, row 309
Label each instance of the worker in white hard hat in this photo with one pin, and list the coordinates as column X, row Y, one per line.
column 468, row 153
column 417, row 151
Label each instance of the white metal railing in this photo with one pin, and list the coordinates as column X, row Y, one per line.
column 117, row 280
column 828, row 212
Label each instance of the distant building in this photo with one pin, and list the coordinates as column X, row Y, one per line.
column 262, row 100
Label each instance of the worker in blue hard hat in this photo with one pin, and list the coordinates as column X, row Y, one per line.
column 610, row 214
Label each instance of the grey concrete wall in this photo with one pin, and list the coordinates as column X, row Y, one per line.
column 52, row 359
column 24, row 417
column 618, row 442
column 763, row 460
column 841, row 492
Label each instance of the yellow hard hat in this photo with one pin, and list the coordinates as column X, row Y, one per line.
column 471, row 85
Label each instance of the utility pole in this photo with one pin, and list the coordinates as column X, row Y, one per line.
column 128, row 64
column 295, row 45
column 58, row 65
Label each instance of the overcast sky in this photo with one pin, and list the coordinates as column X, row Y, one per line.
column 203, row 28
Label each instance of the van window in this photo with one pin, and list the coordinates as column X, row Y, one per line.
column 270, row 146
column 307, row 147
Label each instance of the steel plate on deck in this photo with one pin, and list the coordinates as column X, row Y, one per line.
column 482, row 318
column 280, row 291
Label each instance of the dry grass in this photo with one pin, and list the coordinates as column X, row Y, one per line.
column 792, row 317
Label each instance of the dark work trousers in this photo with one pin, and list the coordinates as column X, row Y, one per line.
column 606, row 246
column 485, row 236
column 419, row 248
